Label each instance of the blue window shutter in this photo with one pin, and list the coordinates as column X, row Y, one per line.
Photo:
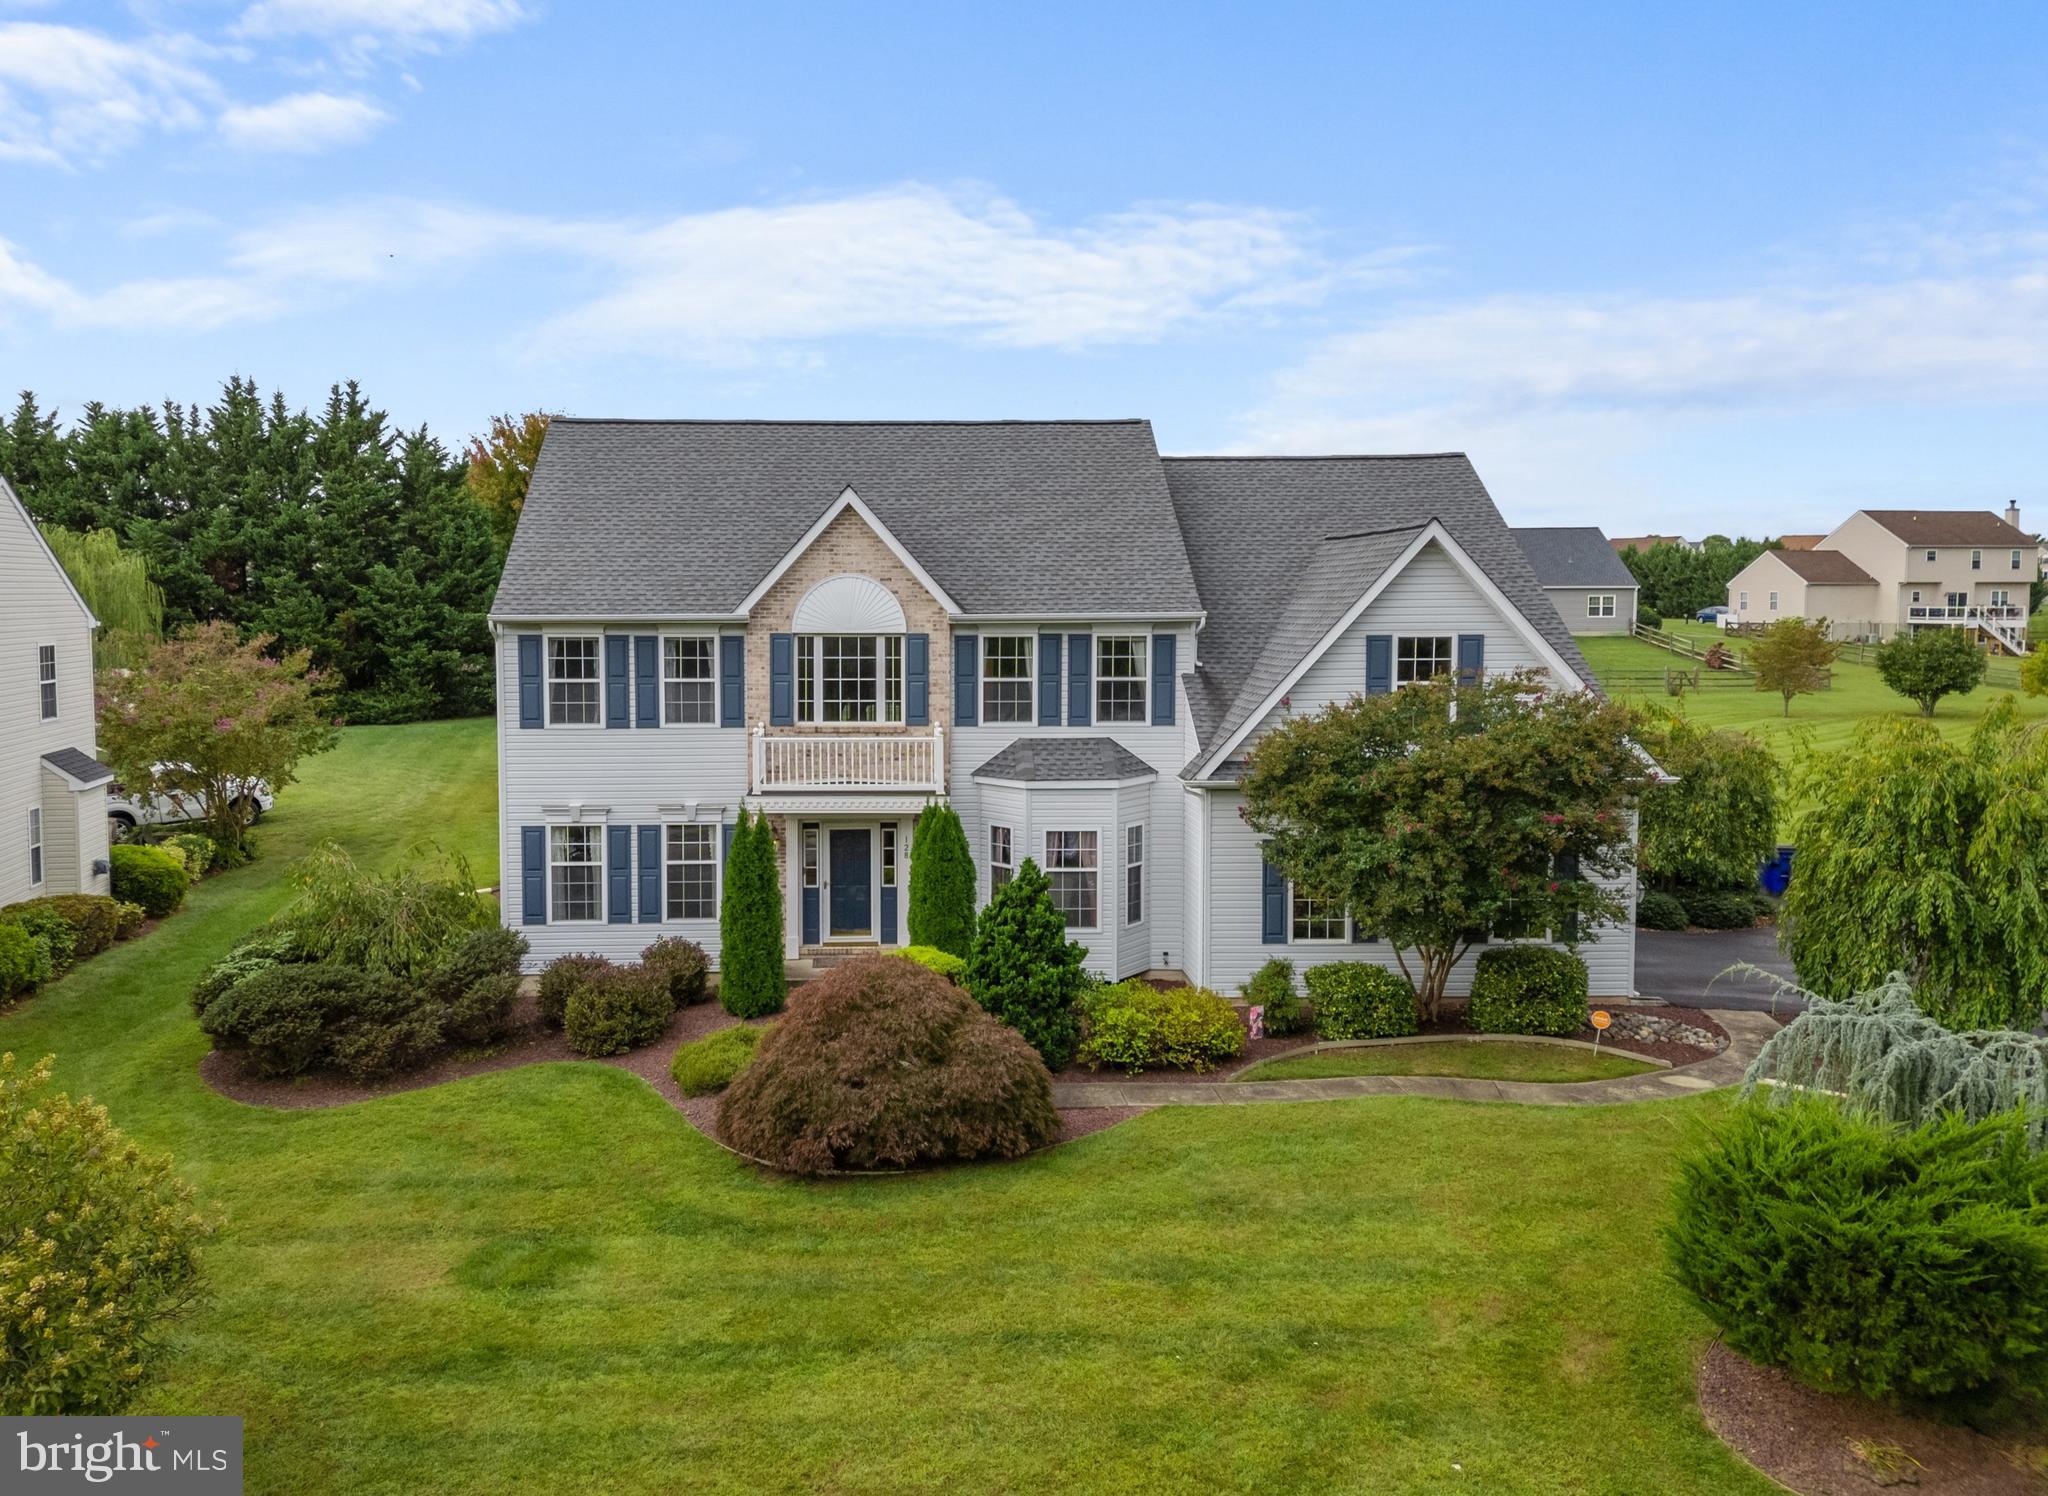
column 650, row 875
column 1165, row 678
column 917, row 680
column 647, row 680
column 1272, row 904
column 1048, row 680
column 1080, row 673
column 1379, row 664
column 732, row 680
column 617, row 666
column 1471, row 658
column 533, row 875
column 781, row 679
column 618, row 864
column 966, row 680
column 530, row 685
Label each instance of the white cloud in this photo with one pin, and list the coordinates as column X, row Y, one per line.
column 68, row 94
column 362, row 27
column 300, row 123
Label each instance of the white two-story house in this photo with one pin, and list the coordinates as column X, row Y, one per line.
column 1068, row 637
column 53, row 792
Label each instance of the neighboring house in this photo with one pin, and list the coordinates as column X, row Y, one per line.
column 1584, row 576
column 1067, row 636
column 53, row 793
column 1883, row 570
column 1799, row 542
column 1644, row 542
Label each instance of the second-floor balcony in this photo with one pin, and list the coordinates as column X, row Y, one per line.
column 840, row 762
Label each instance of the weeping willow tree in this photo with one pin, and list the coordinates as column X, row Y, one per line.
column 116, row 586
column 1885, row 1058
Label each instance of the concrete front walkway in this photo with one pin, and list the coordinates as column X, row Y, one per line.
column 1746, row 1035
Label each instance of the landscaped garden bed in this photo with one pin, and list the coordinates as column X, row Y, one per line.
column 1471, row 1058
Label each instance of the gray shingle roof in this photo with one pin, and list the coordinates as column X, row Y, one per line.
column 1572, row 556
column 1072, row 760
column 1255, row 528
column 80, row 765
column 634, row 519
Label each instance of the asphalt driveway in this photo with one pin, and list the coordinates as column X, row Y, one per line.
column 1685, row 966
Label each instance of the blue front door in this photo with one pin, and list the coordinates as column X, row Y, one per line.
column 852, row 882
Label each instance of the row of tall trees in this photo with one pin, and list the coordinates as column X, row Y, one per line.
column 1677, row 580
column 329, row 531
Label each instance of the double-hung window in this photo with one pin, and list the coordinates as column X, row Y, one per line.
column 46, row 678
column 1932, row 554
column 1421, row 657
column 849, row 678
column 35, row 845
column 1134, row 874
column 1599, row 605
column 1070, row 864
column 1007, row 678
column 1774, row 602
column 1120, row 677
column 572, row 680
column 2015, row 560
column 1958, row 600
column 575, row 873
column 1001, row 864
column 1976, row 560
column 1315, row 920
column 690, row 869
column 689, row 680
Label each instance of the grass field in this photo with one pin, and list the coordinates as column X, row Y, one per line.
column 544, row 1279
column 1502, row 1060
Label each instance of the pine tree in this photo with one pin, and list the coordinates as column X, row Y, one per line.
column 751, row 980
column 941, row 882
column 1024, row 970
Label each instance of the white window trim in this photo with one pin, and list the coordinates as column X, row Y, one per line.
column 1742, row 601
column 1594, row 600
column 1932, row 554
column 1773, row 603
column 54, row 683
column 1009, row 846
column 547, row 679
column 38, row 859
column 1134, row 910
column 1096, row 832
column 1977, row 558
column 1450, row 670
column 813, row 645
column 1344, row 938
column 1030, row 717
column 661, row 676
column 717, row 872
column 2015, row 560
column 1144, row 638
column 603, row 872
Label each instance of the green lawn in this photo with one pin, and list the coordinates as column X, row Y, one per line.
column 544, row 1279
column 1490, row 1060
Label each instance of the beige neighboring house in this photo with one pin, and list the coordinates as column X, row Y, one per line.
column 53, row 792
column 1884, row 570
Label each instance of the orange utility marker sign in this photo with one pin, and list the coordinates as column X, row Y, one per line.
column 1601, row 1019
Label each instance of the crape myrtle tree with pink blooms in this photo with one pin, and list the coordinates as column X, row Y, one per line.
column 205, row 713
column 1444, row 813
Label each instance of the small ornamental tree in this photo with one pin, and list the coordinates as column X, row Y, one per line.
column 1792, row 657
column 941, row 882
column 501, row 467
column 1928, row 858
column 1718, row 821
column 1023, row 968
column 1931, row 664
column 2034, row 671
column 206, row 715
column 1432, row 825
column 751, row 979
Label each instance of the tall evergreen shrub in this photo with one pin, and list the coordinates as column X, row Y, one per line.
column 1024, row 970
column 751, row 981
column 941, row 883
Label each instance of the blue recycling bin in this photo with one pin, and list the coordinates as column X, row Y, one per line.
column 1776, row 875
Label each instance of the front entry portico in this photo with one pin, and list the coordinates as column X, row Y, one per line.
column 846, row 879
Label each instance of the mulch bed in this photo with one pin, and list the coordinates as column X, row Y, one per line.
column 1808, row 1440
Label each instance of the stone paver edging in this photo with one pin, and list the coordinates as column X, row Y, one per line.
column 1326, row 1046
column 1746, row 1035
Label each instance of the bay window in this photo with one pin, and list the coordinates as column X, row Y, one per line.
column 1001, row 866
column 1070, row 865
column 1134, row 874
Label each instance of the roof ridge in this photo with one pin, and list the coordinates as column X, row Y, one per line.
column 1311, row 457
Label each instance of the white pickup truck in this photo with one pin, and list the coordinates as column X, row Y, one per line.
column 126, row 811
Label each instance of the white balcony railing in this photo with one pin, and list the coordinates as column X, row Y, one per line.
column 848, row 761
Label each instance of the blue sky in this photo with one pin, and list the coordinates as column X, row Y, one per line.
column 1655, row 267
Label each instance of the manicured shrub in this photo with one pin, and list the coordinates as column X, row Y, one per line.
column 1272, row 988
column 287, row 1020
column 563, row 976
column 198, row 849
column 482, row 1012
column 259, row 952
column 402, row 922
column 24, row 961
column 682, row 964
column 1135, row 1026
column 99, row 1251
column 751, row 980
column 1660, row 911
column 392, row 1027
column 881, row 1064
column 941, row 882
column 620, row 1008
column 128, row 918
column 1719, row 908
column 148, row 876
column 1025, row 970
column 931, row 958
column 495, row 951
column 86, row 922
column 1649, row 618
column 1357, row 1000
column 715, row 1061
column 48, row 926
column 1866, row 1257
column 1528, row 989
